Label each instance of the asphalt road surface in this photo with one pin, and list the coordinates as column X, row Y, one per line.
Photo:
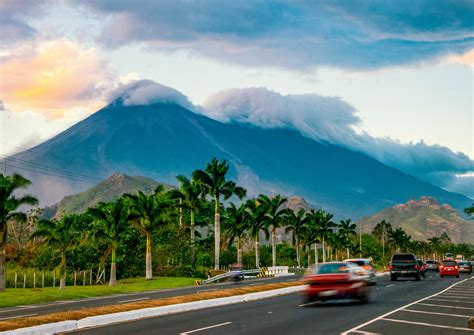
column 60, row 306
column 387, row 313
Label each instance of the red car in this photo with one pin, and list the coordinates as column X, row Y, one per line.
column 449, row 268
column 336, row 280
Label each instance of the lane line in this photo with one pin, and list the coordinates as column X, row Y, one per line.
column 435, row 313
column 18, row 316
column 365, row 333
column 450, row 300
column 403, row 307
column 210, row 327
column 309, row 303
column 455, row 296
column 445, row 306
column 132, row 300
column 426, row 324
column 390, row 285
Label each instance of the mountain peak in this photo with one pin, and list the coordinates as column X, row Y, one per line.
column 147, row 92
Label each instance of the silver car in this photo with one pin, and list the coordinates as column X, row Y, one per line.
column 366, row 264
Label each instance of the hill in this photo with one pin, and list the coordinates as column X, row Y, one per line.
column 423, row 219
column 109, row 190
column 162, row 140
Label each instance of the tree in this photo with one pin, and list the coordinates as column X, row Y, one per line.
column 326, row 228
column 110, row 223
column 312, row 231
column 8, row 212
column 235, row 224
column 191, row 193
column 62, row 236
column 295, row 224
column 347, row 229
column 148, row 212
column 382, row 230
column 213, row 179
column 399, row 239
column 276, row 213
column 257, row 221
column 435, row 245
column 469, row 211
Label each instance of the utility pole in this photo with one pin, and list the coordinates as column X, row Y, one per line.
column 360, row 239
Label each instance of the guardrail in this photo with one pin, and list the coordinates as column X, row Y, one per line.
column 227, row 275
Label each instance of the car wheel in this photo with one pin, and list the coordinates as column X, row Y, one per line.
column 441, row 276
column 417, row 278
column 363, row 299
column 457, row 276
column 393, row 278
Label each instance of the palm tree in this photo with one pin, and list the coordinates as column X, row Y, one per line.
column 347, row 229
column 60, row 235
column 295, row 225
column 8, row 206
column 236, row 224
column 257, row 221
column 276, row 213
column 435, row 244
column 326, row 228
column 213, row 179
column 312, row 232
column 148, row 212
column 399, row 239
column 110, row 222
column 190, row 194
column 382, row 230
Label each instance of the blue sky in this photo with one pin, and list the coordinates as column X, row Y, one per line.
column 404, row 68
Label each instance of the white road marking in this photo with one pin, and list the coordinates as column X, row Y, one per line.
column 309, row 303
column 132, row 300
column 17, row 317
column 451, row 300
column 198, row 330
column 426, row 324
column 270, row 312
column 390, row 285
column 403, row 307
column 365, row 333
column 435, row 313
column 445, row 306
column 456, row 296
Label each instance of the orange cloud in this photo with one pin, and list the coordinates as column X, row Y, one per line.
column 57, row 76
column 467, row 58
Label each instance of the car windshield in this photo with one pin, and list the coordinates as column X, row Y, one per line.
column 449, row 263
column 333, row 268
column 462, row 263
column 430, row 262
column 358, row 262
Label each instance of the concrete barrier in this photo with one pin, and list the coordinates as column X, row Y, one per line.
column 46, row 329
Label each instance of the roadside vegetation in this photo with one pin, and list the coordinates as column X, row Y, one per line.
column 196, row 230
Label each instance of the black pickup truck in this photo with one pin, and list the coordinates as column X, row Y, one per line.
column 404, row 265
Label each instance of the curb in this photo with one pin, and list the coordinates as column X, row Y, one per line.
column 102, row 320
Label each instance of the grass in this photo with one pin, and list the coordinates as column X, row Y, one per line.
column 83, row 313
column 19, row 296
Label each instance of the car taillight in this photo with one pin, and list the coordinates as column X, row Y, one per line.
column 456, row 267
column 367, row 267
column 441, row 267
column 390, row 266
column 416, row 267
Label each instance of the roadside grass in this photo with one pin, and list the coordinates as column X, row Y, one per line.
column 83, row 313
column 19, row 296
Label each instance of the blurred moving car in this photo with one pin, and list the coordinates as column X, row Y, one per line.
column 422, row 267
column 449, row 268
column 236, row 272
column 449, row 256
column 432, row 265
column 336, row 280
column 465, row 266
column 404, row 265
column 366, row 264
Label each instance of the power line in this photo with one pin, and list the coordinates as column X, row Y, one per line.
column 52, row 175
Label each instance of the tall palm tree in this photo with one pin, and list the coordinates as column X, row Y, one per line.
column 236, row 223
column 61, row 235
column 347, row 229
column 257, row 222
column 213, row 179
column 435, row 244
column 110, row 222
column 295, row 225
column 399, row 239
column 148, row 212
column 276, row 214
column 190, row 193
column 382, row 230
column 312, row 232
column 8, row 211
column 326, row 228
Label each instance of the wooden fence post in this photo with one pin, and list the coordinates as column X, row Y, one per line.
column 54, row 278
column 16, row 278
column 42, row 280
column 84, row 278
column 24, row 280
column 34, row 279
column 90, row 278
column 75, row 277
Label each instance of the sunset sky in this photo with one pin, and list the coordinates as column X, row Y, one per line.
column 404, row 68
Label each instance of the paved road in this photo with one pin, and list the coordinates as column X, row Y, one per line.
column 60, row 306
column 287, row 315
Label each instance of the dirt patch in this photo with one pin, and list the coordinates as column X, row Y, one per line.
column 83, row 313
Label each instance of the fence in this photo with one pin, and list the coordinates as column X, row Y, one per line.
column 36, row 279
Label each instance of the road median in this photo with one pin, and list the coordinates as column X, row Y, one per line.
column 92, row 317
